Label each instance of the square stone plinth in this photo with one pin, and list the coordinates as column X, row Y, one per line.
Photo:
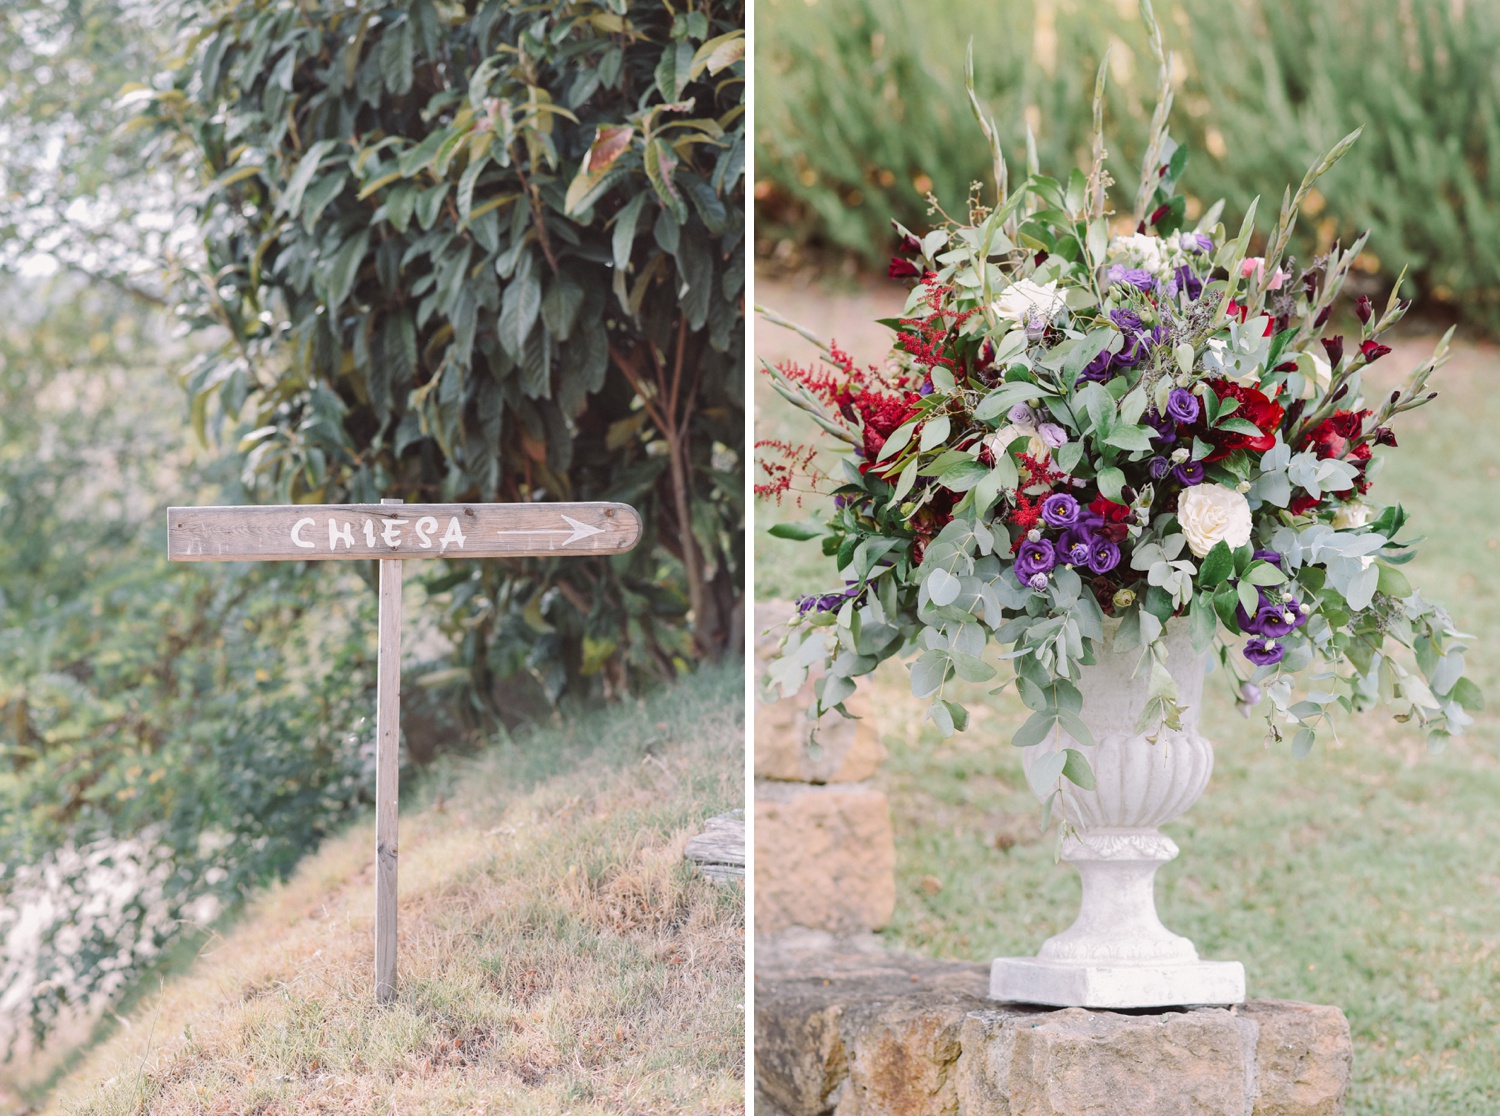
column 849, row 1029
column 1031, row 980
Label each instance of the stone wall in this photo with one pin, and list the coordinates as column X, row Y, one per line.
column 824, row 849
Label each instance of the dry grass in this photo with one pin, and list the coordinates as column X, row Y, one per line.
column 556, row 952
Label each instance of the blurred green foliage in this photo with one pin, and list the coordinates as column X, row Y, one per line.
column 427, row 294
column 861, row 110
column 221, row 712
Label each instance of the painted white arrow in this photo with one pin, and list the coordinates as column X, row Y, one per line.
column 579, row 531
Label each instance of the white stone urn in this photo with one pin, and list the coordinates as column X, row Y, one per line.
column 1117, row 953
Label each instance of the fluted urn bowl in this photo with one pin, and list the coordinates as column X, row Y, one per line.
column 1117, row 953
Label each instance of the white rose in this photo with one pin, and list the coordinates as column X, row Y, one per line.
column 1209, row 513
column 1000, row 440
column 1025, row 301
column 1353, row 514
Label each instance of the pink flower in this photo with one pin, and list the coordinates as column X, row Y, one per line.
column 1256, row 266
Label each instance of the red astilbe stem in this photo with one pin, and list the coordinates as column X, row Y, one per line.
column 925, row 337
column 782, row 464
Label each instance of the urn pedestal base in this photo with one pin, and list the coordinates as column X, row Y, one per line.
column 1032, row 980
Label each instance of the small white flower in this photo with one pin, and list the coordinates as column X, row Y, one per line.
column 1210, row 513
column 1137, row 250
column 1181, row 454
column 1356, row 513
column 1000, row 440
column 1026, row 302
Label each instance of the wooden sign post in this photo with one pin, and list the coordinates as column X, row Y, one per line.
column 392, row 531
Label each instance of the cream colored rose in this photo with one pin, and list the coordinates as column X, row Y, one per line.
column 1209, row 513
column 1353, row 514
column 1025, row 301
column 1000, row 440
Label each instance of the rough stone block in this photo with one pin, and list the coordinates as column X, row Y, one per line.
column 1189, row 1063
column 899, row 1034
column 1304, row 1057
column 788, row 746
column 825, row 857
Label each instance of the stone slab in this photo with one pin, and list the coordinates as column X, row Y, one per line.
column 825, row 857
column 1031, row 980
column 849, row 1029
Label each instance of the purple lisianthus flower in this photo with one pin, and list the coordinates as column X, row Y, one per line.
column 1264, row 652
column 1188, row 473
column 1271, row 620
column 1077, row 553
column 1139, row 278
column 1197, row 242
column 1100, row 369
column 1022, row 415
column 1267, row 556
column 1060, row 510
column 1166, row 429
column 1130, row 353
column 1183, row 279
column 926, row 388
column 1128, row 320
column 1104, row 556
column 1034, row 558
column 1052, row 434
column 826, row 602
column 1159, row 467
column 1183, row 405
column 1038, row 582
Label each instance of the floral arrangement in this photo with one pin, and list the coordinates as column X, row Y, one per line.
column 1090, row 420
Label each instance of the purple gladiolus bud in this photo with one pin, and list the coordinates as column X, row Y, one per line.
column 1159, row 467
column 1334, row 347
column 1103, row 556
column 1060, row 510
column 1052, row 434
column 1322, row 319
column 1188, row 473
column 1363, row 309
column 1264, row 652
column 1183, row 405
column 1022, row 415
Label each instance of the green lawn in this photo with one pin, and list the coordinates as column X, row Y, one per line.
column 1365, row 876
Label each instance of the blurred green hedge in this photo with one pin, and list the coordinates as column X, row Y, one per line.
column 860, row 109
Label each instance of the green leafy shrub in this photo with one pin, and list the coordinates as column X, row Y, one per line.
column 489, row 252
column 1264, row 87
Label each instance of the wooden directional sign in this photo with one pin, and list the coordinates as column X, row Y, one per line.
column 392, row 531
column 319, row 532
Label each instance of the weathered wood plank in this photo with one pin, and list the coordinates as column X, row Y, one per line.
column 387, row 774
column 720, row 849
column 320, row 532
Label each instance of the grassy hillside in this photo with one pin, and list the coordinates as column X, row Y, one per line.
column 1363, row 876
column 556, row 952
